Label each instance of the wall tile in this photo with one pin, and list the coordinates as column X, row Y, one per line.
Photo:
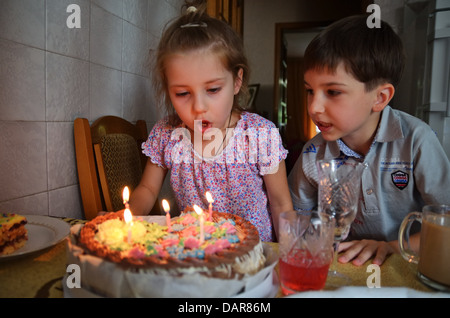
column 105, row 38
column 112, row 6
column 135, row 97
column 65, row 202
column 135, row 12
column 34, row 204
column 22, row 82
column 50, row 75
column 23, row 151
column 161, row 13
column 61, row 162
column 23, row 21
column 105, row 92
column 61, row 39
column 67, row 88
column 135, row 50
column 155, row 112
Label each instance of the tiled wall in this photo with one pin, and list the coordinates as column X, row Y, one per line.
column 51, row 74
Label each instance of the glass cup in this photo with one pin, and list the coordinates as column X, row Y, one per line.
column 434, row 253
column 306, row 251
column 338, row 199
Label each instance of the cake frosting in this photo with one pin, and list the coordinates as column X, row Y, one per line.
column 231, row 246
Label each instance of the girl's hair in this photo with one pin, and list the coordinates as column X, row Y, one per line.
column 372, row 55
column 192, row 31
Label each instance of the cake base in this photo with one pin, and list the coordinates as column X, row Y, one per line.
column 268, row 288
column 107, row 279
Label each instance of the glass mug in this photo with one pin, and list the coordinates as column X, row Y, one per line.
column 434, row 254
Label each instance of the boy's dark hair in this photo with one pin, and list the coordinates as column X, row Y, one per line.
column 372, row 55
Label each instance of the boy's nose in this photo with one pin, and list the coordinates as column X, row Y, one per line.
column 315, row 104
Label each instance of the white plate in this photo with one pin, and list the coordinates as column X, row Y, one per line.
column 365, row 292
column 43, row 232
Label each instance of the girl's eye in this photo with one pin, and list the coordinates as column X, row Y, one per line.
column 181, row 94
column 309, row 91
column 214, row 90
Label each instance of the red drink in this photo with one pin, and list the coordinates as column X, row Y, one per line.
column 301, row 271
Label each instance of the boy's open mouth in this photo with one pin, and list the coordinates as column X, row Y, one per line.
column 324, row 126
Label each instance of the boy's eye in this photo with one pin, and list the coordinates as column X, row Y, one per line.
column 333, row 92
column 309, row 91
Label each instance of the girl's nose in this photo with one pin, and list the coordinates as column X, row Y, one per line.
column 199, row 105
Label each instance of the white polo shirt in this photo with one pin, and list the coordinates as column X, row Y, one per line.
column 407, row 168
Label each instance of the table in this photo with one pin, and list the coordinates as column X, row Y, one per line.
column 40, row 275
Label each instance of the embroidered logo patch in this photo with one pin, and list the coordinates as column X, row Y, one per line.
column 311, row 148
column 400, row 179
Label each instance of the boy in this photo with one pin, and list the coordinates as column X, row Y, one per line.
column 351, row 72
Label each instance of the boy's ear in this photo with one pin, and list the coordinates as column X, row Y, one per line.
column 238, row 81
column 385, row 92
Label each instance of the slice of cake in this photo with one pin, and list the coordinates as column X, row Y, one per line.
column 13, row 234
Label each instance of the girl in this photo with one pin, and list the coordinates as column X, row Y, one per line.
column 208, row 141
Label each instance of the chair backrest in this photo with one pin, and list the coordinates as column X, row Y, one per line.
column 108, row 159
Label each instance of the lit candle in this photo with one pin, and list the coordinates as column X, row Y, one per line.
column 128, row 217
column 210, row 200
column 126, row 197
column 199, row 211
column 166, row 208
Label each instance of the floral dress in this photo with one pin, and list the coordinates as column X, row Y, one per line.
column 234, row 177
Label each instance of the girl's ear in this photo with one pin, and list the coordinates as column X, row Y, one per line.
column 238, row 81
column 385, row 93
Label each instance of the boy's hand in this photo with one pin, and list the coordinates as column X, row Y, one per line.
column 361, row 251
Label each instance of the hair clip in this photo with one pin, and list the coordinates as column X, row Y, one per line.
column 191, row 9
column 194, row 25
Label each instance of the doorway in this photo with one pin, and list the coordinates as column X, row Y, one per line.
column 290, row 108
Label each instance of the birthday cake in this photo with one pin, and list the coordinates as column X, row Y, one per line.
column 147, row 259
column 13, row 234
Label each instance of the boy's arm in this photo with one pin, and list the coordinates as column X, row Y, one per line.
column 278, row 193
column 361, row 251
column 431, row 170
column 146, row 193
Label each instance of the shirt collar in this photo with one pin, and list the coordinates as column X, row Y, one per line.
column 347, row 151
column 389, row 129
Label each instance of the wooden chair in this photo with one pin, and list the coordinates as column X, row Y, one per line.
column 108, row 159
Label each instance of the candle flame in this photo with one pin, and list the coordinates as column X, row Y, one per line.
column 126, row 195
column 127, row 216
column 209, row 197
column 198, row 209
column 166, row 206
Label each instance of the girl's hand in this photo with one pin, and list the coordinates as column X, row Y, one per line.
column 361, row 251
